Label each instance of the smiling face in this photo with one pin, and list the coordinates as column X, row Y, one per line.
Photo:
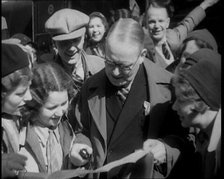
column 70, row 50
column 14, row 101
column 158, row 21
column 96, row 29
column 54, row 108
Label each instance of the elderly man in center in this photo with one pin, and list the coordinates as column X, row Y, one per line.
column 126, row 107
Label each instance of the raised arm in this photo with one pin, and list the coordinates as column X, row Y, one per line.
column 208, row 3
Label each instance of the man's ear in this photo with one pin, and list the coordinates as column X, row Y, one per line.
column 168, row 22
column 143, row 55
column 143, row 52
column 81, row 43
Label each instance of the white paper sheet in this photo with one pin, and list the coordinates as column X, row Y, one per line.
column 65, row 174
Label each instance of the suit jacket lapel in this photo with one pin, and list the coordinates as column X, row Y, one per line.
column 155, row 80
column 129, row 110
column 158, row 82
column 66, row 136
column 32, row 141
column 216, row 133
column 97, row 107
column 160, row 60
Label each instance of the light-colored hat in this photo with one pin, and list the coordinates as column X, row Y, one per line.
column 66, row 24
column 4, row 23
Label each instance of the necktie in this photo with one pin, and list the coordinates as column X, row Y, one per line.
column 165, row 51
column 122, row 94
column 54, row 154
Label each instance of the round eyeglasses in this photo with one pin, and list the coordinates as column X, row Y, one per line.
column 123, row 68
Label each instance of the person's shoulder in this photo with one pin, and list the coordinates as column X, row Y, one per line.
column 94, row 82
column 157, row 72
column 65, row 128
column 153, row 65
column 94, row 58
column 96, row 78
column 46, row 57
column 173, row 38
column 95, row 63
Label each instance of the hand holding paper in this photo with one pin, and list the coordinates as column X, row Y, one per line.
column 157, row 148
column 65, row 174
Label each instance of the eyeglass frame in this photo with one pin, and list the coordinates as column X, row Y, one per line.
column 121, row 67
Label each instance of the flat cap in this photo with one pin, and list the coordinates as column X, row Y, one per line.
column 66, row 24
column 13, row 58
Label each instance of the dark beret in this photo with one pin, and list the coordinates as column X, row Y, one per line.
column 13, row 58
column 205, row 76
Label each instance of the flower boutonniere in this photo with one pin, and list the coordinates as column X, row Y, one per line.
column 146, row 106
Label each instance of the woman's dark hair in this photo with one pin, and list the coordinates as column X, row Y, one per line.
column 104, row 22
column 189, row 93
column 12, row 81
column 47, row 77
column 102, row 17
column 200, row 44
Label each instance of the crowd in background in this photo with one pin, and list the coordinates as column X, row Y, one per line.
column 109, row 87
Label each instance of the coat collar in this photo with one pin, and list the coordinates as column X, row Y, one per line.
column 129, row 110
column 97, row 102
column 33, row 144
column 156, row 77
column 216, row 133
column 66, row 140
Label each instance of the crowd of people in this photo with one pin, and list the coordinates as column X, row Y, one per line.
column 111, row 87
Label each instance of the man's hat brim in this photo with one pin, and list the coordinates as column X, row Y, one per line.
column 72, row 35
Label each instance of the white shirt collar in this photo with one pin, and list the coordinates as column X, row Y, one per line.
column 43, row 133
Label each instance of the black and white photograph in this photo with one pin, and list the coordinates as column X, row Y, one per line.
column 111, row 89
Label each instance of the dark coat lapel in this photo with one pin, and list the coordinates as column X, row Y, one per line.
column 97, row 104
column 132, row 106
column 66, row 135
column 158, row 81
